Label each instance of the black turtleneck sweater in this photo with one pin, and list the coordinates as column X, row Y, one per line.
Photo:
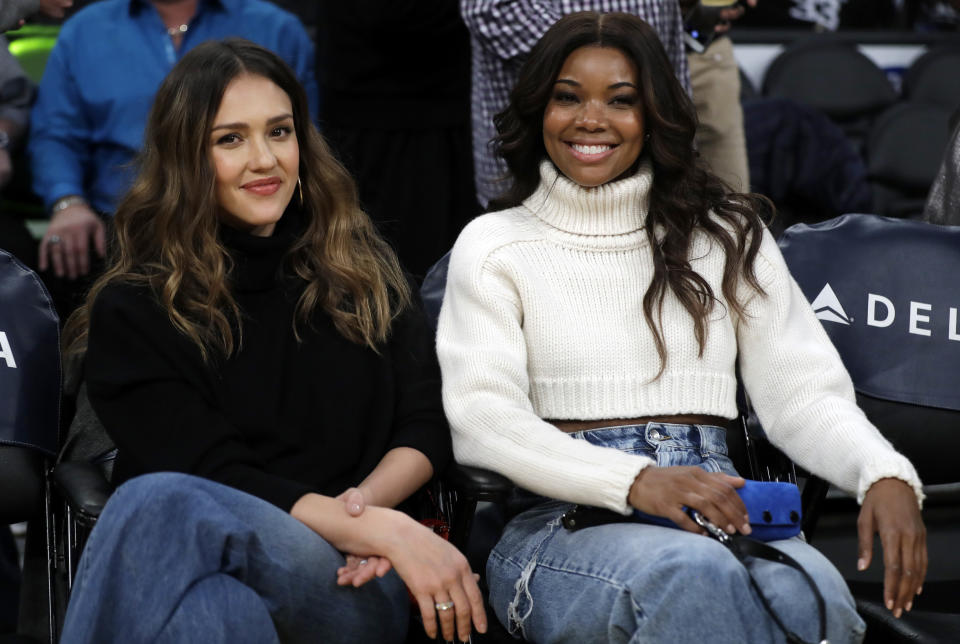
column 279, row 418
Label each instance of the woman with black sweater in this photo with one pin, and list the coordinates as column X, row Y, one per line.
column 255, row 352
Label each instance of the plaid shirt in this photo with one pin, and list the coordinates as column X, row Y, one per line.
column 502, row 32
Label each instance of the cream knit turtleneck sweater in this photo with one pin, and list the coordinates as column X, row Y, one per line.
column 543, row 319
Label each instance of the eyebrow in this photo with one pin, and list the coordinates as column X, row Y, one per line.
column 573, row 83
column 240, row 126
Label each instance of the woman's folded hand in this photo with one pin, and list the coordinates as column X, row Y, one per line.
column 440, row 579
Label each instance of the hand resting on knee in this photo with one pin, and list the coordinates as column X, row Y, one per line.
column 435, row 572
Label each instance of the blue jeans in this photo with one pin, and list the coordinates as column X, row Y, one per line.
column 177, row 558
column 636, row 582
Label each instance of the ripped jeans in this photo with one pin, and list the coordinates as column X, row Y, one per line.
column 636, row 582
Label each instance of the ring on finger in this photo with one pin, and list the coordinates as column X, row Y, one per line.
column 447, row 605
column 54, row 239
column 363, row 562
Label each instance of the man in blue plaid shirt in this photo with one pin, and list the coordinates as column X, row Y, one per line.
column 502, row 32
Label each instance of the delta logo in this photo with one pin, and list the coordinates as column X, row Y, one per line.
column 882, row 312
column 828, row 307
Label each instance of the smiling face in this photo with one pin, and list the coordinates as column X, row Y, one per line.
column 593, row 122
column 255, row 155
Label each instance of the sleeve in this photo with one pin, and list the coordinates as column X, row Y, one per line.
column 419, row 421
column 508, row 29
column 16, row 91
column 801, row 391
column 13, row 11
column 59, row 130
column 483, row 360
column 144, row 383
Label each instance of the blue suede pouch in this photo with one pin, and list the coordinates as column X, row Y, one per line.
column 773, row 507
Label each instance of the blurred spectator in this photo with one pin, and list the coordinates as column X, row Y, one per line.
column 825, row 15
column 934, row 15
column 804, row 162
column 943, row 204
column 715, row 83
column 14, row 12
column 502, row 32
column 93, row 101
column 16, row 93
column 395, row 78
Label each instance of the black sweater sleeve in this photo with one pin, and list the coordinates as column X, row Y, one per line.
column 419, row 421
column 152, row 392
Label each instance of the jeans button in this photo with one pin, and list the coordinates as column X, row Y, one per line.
column 655, row 434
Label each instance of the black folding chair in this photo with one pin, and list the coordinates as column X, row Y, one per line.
column 887, row 293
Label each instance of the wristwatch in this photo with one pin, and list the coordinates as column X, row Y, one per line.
column 65, row 202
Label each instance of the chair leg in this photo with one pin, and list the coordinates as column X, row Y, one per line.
column 49, row 522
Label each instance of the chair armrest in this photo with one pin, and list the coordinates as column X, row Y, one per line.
column 83, row 486
column 477, row 482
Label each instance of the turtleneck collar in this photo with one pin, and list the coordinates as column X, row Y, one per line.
column 257, row 260
column 615, row 208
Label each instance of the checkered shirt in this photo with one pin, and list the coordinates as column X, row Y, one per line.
column 502, row 32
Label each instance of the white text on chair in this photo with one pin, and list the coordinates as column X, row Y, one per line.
column 919, row 314
column 6, row 353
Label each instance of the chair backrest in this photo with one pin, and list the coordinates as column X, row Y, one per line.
column 903, row 152
column 886, row 292
column 29, row 386
column 432, row 289
column 932, row 78
column 831, row 76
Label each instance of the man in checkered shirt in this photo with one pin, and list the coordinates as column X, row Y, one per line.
column 502, row 33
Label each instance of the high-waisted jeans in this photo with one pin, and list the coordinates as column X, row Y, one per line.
column 635, row 582
column 177, row 558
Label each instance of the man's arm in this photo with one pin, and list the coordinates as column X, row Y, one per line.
column 58, row 151
column 60, row 132
column 509, row 28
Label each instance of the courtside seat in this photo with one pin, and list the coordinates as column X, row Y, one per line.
column 833, row 77
column 903, row 153
column 887, row 293
column 29, row 399
column 932, row 78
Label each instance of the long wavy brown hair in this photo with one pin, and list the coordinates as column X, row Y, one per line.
column 166, row 226
column 685, row 198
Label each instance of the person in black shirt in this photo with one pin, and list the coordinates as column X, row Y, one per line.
column 256, row 354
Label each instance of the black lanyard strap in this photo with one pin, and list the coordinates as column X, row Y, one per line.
column 743, row 547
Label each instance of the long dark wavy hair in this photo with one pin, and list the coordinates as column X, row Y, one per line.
column 166, row 226
column 685, row 198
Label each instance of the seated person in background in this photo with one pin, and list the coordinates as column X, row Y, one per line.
column 92, row 104
column 255, row 353
column 588, row 343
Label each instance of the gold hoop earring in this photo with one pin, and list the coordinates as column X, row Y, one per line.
column 300, row 190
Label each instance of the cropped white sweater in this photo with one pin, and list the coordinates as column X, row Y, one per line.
column 543, row 319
